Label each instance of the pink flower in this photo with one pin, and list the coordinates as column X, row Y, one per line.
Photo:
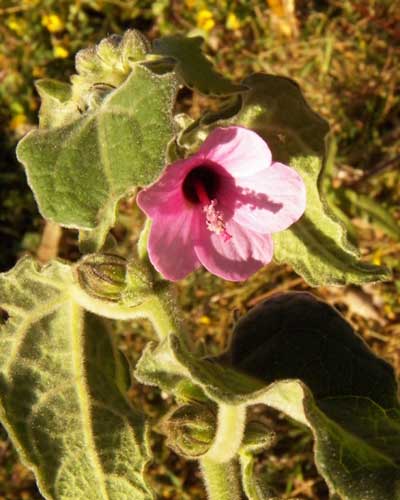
column 219, row 207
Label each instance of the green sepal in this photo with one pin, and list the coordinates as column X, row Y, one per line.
column 103, row 276
column 107, row 65
column 190, row 429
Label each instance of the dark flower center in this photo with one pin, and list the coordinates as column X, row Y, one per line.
column 204, row 176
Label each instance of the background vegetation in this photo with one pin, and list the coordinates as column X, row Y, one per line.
column 345, row 55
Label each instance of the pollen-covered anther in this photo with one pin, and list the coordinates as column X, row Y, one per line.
column 215, row 220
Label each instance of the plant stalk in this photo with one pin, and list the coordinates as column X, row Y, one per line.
column 229, row 434
column 221, row 479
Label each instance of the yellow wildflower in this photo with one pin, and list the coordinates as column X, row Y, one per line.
column 16, row 25
column 60, row 52
column 53, row 23
column 277, row 7
column 205, row 20
column 377, row 258
column 17, row 121
column 190, row 4
column 232, row 21
column 204, row 320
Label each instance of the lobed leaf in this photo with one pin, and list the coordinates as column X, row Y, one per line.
column 63, row 390
column 193, row 67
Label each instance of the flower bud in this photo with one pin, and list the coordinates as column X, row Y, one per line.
column 87, row 62
column 139, row 284
column 134, row 47
column 104, row 67
column 108, row 50
column 190, row 429
column 103, row 276
column 258, row 437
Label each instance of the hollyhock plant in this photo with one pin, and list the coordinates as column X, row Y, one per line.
column 64, row 382
column 219, row 207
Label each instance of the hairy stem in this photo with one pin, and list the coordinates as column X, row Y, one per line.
column 160, row 311
column 221, row 479
column 229, row 435
column 157, row 308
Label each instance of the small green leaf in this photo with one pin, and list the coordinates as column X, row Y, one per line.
column 172, row 367
column 57, row 107
column 317, row 246
column 255, row 485
column 257, row 438
column 159, row 367
column 192, row 66
column 79, row 171
column 63, row 390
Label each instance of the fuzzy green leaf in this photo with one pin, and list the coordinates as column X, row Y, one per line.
column 257, row 438
column 57, row 106
column 192, row 66
column 80, row 170
column 317, row 246
column 63, row 391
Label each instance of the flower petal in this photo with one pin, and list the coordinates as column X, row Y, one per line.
column 239, row 257
column 241, row 152
column 269, row 201
column 165, row 194
column 171, row 244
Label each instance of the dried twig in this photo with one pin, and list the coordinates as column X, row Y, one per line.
column 49, row 245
